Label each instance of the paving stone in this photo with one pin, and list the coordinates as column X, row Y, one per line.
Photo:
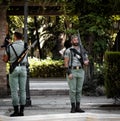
column 50, row 102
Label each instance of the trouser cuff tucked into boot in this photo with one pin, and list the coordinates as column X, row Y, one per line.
column 16, row 112
column 78, row 109
column 21, row 110
column 72, row 108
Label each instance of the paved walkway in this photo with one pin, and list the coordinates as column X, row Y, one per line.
column 61, row 104
column 48, row 86
column 50, row 97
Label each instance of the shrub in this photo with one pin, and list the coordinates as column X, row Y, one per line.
column 46, row 68
column 112, row 75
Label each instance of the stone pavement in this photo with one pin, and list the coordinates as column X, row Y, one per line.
column 48, row 86
column 50, row 102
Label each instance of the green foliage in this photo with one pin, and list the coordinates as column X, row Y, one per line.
column 5, row 2
column 1, row 1
column 71, row 31
column 116, row 17
column 93, row 1
column 45, row 27
column 96, row 23
column 46, row 68
column 112, row 76
column 102, row 7
column 97, row 27
column 15, row 22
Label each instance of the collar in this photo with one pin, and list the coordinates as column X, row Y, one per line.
column 77, row 48
column 18, row 41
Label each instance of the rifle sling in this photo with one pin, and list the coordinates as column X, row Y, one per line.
column 14, row 51
column 18, row 60
column 76, row 52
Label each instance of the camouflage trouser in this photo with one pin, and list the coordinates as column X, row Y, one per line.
column 75, row 85
column 17, row 80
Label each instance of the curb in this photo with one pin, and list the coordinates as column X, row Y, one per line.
column 48, row 92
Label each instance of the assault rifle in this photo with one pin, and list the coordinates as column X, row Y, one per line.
column 82, row 50
column 21, row 57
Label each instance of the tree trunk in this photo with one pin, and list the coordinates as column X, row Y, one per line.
column 90, row 69
column 3, row 28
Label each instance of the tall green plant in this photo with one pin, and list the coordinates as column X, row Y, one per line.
column 112, row 82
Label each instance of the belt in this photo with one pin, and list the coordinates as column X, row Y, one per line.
column 75, row 67
column 21, row 64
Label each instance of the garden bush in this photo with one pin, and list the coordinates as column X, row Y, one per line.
column 46, row 68
column 112, row 74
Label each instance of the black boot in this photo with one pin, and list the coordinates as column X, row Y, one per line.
column 21, row 110
column 16, row 112
column 72, row 108
column 78, row 109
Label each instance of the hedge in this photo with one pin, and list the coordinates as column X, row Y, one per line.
column 112, row 74
column 46, row 68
